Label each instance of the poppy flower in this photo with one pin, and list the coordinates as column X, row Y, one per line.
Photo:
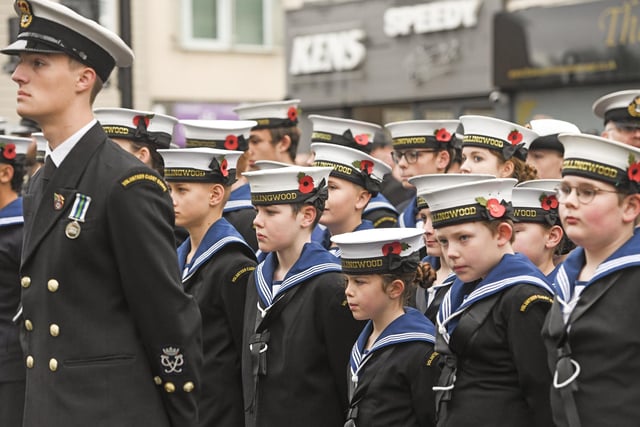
column 9, row 151
column 292, row 114
column 223, row 168
column 634, row 172
column 362, row 139
column 136, row 120
column 305, row 183
column 442, row 135
column 231, row 142
column 366, row 166
column 515, row 137
column 548, row 202
column 392, row 248
column 495, row 209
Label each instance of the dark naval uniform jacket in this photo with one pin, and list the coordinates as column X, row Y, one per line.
column 217, row 277
column 109, row 336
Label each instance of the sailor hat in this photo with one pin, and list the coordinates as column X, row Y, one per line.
column 530, row 204
column 11, row 146
column 380, row 251
column 417, row 134
column 431, row 182
column 201, row 164
column 268, row 115
column 542, row 184
column 619, row 107
column 486, row 200
column 509, row 139
column 270, row 164
column 292, row 184
column 49, row 27
column 41, row 146
column 548, row 130
column 220, row 134
column 138, row 126
column 354, row 134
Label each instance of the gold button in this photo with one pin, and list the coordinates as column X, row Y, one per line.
column 28, row 325
column 25, row 281
column 54, row 330
column 157, row 380
column 188, row 387
column 30, row 361
column 169, row 387
column 53, row 365
column 53, row 285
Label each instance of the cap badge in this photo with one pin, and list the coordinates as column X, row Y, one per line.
column 366, row 166
column 515, row 137
column 495, row 209
column 8, row 151
column 394, row 248
column 292, row 114
column 362, row 139
column 26, row 17
column 442, row 135
column 548, row 202
column 231, row 142
column 171, row 360
column 305, row 183
column 634, row 107
column 633, row 173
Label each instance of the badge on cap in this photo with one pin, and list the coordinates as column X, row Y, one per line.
column 58, row 201
column 634, row 107
column 25, row 13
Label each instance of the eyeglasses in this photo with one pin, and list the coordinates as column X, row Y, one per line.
column 584, row 193
column 411, row 156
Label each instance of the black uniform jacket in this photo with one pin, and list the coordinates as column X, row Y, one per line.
column 308, row 351
column 605, row 342
column 219, row 285
column 110, row 337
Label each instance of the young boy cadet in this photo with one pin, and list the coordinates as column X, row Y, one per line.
column 216, row 263
column 298, row 330
column 109, row 336
column 591, row 331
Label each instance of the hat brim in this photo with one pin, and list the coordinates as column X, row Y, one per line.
column 20, row 46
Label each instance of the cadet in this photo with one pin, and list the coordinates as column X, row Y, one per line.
column 12, row 370
column 545, row 152
column 591, row 331
column 489, row 322
column 621, row 114
column 109, row 336
column 297, row 329
column 391, row 371
column 421, row 147
column 215, row 262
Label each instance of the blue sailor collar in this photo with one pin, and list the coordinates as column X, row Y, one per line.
column 240, row 198
column 313, row 261
column 408, row 217
column 379, row 202
column 411, row 326
column 364, row 225
column 625, row 256
column 220, row 234
column 12, row 213
column 513, row 269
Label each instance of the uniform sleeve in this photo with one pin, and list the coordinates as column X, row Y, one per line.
column 234, row 294
column 526, row 308
column 140, row 216
column 422, row 396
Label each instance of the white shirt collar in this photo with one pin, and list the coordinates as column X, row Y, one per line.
column 62, row 150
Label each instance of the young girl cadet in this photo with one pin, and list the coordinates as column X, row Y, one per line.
column 391, row 370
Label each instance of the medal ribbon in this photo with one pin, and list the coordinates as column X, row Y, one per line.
column 80, row 207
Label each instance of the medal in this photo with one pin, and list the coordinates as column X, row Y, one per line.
column 58, row 201
column 72, row 231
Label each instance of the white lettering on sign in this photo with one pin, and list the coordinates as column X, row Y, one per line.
column 324, row 53
column 431, row 17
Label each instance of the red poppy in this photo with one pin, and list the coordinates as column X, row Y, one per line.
column 366, row 166
column 306, row 184
column 223, row 168
column 549, row 202
column 362, row 139
column 392, row 248
column 495, row 209
column 515, row 137
column 443, row 135
column 634, row 172
column 231, row 142
column 136, row 120
column 9, row 151
column 292, row 113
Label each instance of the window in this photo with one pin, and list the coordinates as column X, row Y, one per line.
column 223, row 24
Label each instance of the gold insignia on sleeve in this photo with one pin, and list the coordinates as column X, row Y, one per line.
column 241, row 272
column 138, row 177
column 433, row 357
column 534, row 298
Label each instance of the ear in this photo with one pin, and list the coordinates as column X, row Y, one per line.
column 504, row 233
column 442, row 160
column 283, row 145
column 507, row 169
column 144, row 155
column 395, row 289
column 554, row 236
column 362, row 198
column 6, row 173
column 86, row 78
column 308, row 214
column 216, row 194
column 631, row 208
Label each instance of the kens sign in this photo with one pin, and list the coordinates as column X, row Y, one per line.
column 327, row 52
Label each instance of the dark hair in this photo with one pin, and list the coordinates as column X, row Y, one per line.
column 296, row 207
column 423, row 276
column 157, row 162
column 292, row 132
column 19, row 171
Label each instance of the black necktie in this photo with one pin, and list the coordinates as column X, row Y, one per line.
column 48, row 169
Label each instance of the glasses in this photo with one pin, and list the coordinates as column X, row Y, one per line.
column 584, row 193
column 411, row 156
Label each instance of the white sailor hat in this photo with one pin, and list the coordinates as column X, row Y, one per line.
column 263, row 165
column 530, row 204
column 548, row 130
column 602, row 159
column 619, row 107
column 10, row 146
column 542, row 184
column 48, row 27
column 435, row 134
column 431, row 182
column 486, row 200
column 352, row 165
column 220, row 134
column 41, row 146
column 139, row 126
column 380, row 250
column 509, row 139
column 200, row 164
column 269, row 115
column 25, row 127
column 292, row 184
column 345, row 132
